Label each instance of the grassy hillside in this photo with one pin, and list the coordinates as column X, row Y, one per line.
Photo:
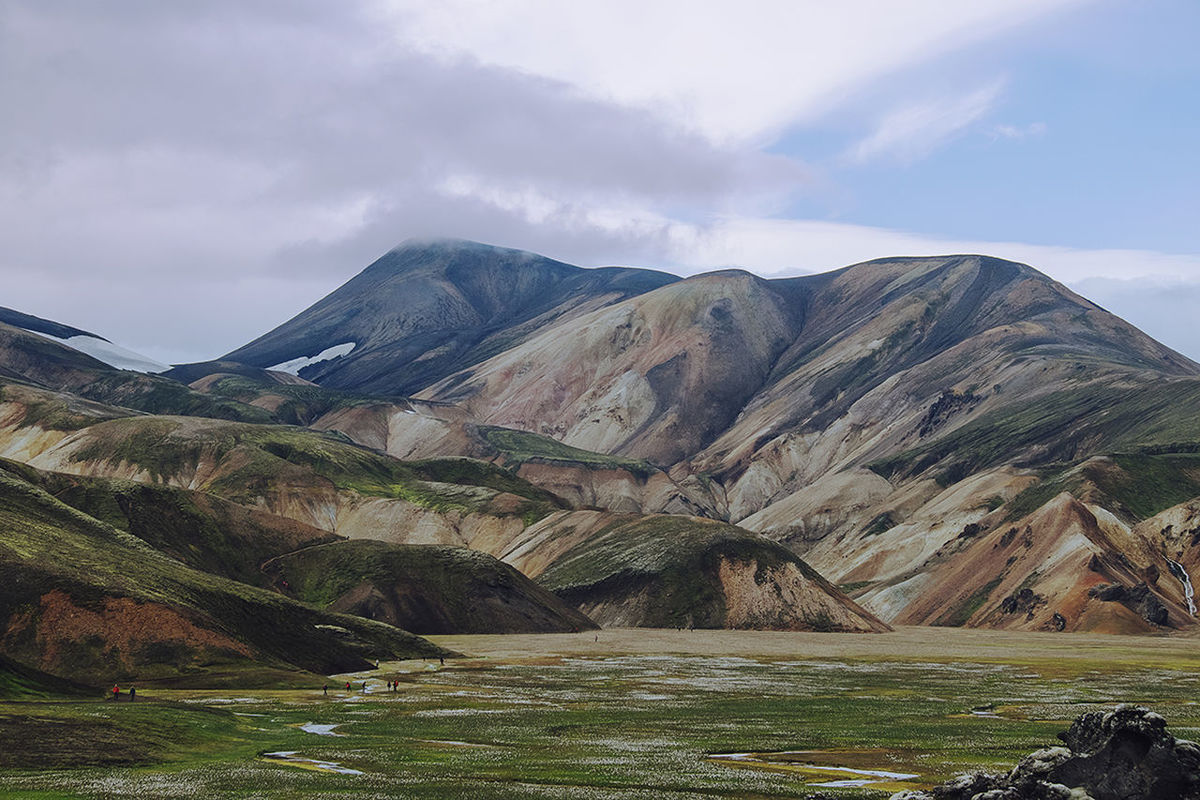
column 1060, row 427
column 80, row 599
column 56, row 411
column 1134, row 486
column 245, row 462
column 200, row 530
column 20, row 682
column 153, row 394
column 426, row 589
column 672, row 571
column 291, row 404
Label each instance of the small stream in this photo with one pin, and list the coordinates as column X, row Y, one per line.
column 798, row 762
column 291, row 758
column 1188, row 592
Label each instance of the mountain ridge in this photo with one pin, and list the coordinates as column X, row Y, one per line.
column 884, row 423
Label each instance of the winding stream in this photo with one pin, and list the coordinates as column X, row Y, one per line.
column 1188, row 592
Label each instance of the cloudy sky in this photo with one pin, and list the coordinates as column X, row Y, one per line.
column 181, row 177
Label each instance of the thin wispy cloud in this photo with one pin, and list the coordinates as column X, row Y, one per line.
column 914, row 131
column 1018, row 132
column 734, row 73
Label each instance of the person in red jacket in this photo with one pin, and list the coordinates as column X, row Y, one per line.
column 116, row 693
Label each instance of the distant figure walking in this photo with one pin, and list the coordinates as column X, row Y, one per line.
column 347, row 686
column 116, row 694
column 325, row 690
column 443, row 660
column 132, row 694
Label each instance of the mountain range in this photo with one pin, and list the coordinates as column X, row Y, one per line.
column 466, row 437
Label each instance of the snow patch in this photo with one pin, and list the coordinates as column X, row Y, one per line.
column 109, row 353
column 294, row 366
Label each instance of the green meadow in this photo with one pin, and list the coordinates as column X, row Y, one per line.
column 614, row 714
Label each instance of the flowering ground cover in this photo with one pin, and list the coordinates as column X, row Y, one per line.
column 619, row 714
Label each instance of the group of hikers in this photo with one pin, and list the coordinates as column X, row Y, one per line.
column 116, row 693
column 393, row 686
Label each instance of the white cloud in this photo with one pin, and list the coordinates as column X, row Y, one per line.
column 913, row 132
column 1018, row 132
column 1165, row 309
column 183, row 177
column 778, row 247
column 731, row 70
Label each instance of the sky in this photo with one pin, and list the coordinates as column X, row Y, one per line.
column 182, row 177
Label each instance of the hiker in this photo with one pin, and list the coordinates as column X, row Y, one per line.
column 347, row 686
column 132, row 694
column 443, row 660
column 116, row 693
column 325, row 690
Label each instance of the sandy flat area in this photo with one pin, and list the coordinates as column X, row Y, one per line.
column 905, row 643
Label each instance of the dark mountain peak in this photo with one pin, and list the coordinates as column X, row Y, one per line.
column 29, row 322
column 429, row 307
column 461, row 256
column 449, row 244
column 730, row 274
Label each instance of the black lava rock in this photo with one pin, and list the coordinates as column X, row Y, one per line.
column 1125, row 754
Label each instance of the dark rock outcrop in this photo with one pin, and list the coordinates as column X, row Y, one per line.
column 1125, row 754
column 1139, row 599
column 1024, row 601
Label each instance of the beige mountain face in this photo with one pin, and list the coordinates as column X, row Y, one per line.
column 656, row 377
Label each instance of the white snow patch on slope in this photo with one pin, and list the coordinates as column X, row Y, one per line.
column 294, row 366
column 109, row 353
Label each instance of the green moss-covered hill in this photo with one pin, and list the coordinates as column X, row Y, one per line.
column 196, row 528
column 22, row 682
column 426, row 589
column 674, row 571
column 82, row 600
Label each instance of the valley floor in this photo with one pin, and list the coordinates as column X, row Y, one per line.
column 613, row 714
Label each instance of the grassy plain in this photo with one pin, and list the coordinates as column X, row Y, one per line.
column 614, row 714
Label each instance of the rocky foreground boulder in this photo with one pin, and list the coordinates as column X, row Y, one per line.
column 1125, row 754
